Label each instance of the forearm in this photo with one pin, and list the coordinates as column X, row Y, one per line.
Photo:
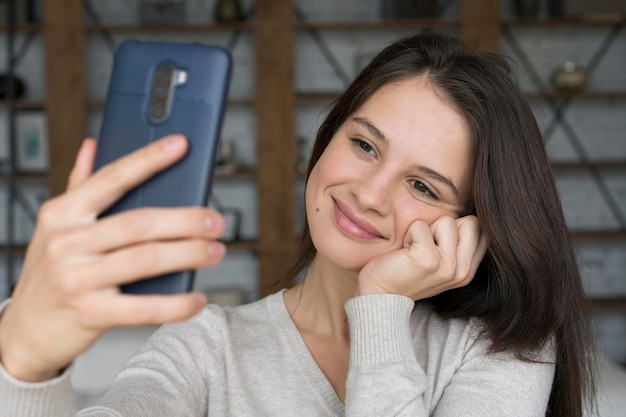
column 446, row 369
column 385, row 378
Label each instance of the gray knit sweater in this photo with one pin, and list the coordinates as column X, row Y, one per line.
column 252, row 361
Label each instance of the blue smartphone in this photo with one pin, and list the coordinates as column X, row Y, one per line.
column 157, row 89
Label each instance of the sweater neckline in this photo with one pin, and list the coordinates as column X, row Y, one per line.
column 303, row 357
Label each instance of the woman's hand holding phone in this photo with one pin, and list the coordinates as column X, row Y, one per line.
column 67, row 294
column 433, row 259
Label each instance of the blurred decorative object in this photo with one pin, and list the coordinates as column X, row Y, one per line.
column 226, row 163
column 595, row 7
column 35, row 11
column 26, row 11
column 525, row 8
column 569, row 78
column 232, row 220
column 302, row 159
column 228, row 11
column 32, row 141
column 19, row 88
column 406, row 9
column 162, row 11
column 555, row 8
column 225, row 297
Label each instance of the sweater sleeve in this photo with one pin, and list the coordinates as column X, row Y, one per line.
column 386, row 378
column 53, row 398
column 166, row 378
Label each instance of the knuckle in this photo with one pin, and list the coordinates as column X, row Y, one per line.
column 90, row 312
column 49, row 212
column 146, row 311
column 68, row 283
column 449, row 268
column 430, row 261
column 113, row 175
column 57, row 245
column 197, row 253
column 136, row 223
column 148, row 256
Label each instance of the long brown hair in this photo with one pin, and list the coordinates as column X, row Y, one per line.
column 528, row 289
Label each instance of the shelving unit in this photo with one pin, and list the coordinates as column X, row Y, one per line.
column 275, row 103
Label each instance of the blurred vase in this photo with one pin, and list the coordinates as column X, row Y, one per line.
column 569, row 77
column 228, row 11
column 19, row 88
column 525, row 8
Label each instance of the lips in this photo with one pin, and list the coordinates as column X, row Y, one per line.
column 351, row 224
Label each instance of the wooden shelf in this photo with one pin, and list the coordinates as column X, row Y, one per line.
column 243, row 245
column 23, row 27
column 579, row 235
column 29, row 176
column 604, row 165
column 95, row 104
column 313, row 98
column 19, row 249
column 599, row 19
column 609, row 304
column 172, row 27
column 378, row 24
column 26, row 104
column 238, row 174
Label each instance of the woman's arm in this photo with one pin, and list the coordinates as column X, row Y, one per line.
column 67, row 294
column 387, row 378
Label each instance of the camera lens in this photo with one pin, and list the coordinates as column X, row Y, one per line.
column 157, row 110
column 164, row 73
column 161, row 90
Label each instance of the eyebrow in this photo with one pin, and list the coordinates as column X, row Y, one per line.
column 426, row 171
column 369, row 126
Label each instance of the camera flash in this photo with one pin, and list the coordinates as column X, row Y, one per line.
column 181, row 77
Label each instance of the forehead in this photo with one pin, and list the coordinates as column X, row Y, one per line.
column 415, row 107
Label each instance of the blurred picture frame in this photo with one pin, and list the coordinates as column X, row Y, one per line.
column 31, row 134
column 232, row 220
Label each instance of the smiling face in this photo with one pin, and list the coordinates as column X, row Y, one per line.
column 405, row 155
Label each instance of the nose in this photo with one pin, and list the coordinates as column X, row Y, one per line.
column 374, row 192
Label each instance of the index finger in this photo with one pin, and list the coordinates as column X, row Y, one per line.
column 112, row 181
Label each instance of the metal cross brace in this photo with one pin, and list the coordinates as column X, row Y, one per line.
column 559, row 109
column 330, row 58
column 106, row 34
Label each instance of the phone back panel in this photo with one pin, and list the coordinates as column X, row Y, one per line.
column 196, row 111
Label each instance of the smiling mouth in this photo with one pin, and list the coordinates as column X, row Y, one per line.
column 352, row 225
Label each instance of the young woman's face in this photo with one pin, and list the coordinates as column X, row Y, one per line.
column 403, row 156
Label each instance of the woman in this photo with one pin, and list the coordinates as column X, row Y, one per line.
column 438, row 274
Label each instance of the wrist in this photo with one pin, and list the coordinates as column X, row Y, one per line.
column 16, row 361
column 370, row 288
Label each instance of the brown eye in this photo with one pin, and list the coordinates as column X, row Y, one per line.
column 363, row 146
column 422, row 188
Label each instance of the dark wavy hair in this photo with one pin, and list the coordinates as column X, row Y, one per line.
column 528, row 289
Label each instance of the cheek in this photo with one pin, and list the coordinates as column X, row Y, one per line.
column 409, row 211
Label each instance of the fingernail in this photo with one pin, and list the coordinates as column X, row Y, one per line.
column 173, row 143
column 213, row 223
column 217, row 249
column 200, row 300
